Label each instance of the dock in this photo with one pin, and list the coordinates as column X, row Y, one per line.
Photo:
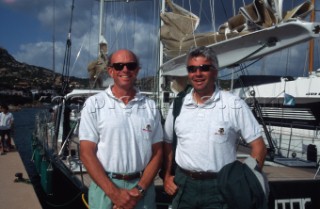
column 14, row 194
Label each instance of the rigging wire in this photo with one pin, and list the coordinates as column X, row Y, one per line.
column 114, row 44
column 90, row 29
column 193, row 34
column 67, row 57
column 78, row 55
column 54, row 41
column 240, row 70
column 224, row 9
column 213, row 18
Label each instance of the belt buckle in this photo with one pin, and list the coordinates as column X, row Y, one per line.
column 198, row 175
column 114, row 176
column 124, row 177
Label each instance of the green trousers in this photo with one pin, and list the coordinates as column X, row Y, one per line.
column 196, row 194
column 99, row 200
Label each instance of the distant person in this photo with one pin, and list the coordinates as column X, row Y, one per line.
column 6, row 126
column 207, row 129
column 97, row 69
column 121, row 140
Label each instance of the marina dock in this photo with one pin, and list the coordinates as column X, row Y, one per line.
column 16, row 194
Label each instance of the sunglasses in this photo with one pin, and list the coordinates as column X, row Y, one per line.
column 130, row 66
column 202, row 68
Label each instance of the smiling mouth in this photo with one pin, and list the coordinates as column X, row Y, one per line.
column 124, row 76
column 198, row 81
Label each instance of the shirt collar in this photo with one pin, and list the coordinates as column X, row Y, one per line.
column 214, row 97
column 138, row 96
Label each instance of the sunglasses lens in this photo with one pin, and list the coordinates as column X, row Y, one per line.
column 191, row 69
column 118, row 66
column 130, row 66
column 205, row 67
column 202, row 68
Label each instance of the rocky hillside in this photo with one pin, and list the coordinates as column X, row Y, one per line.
column 17, row 75
column 21, row 83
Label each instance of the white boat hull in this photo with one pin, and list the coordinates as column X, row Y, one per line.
column 292, row 128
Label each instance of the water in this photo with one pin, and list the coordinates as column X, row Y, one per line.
column 24, row 127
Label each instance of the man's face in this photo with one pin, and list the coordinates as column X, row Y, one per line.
column 124, row 69
column 202, row 81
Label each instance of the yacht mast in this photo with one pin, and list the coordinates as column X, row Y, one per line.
column 311, row 43
column 101, row 21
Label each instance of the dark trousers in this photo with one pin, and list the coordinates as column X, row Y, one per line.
column 196, row 193
column 5, row 143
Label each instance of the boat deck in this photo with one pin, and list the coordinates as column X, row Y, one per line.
column 285, row 173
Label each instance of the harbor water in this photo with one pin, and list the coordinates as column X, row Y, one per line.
column 24, row 127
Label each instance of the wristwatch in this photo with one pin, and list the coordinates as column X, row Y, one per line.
column 140, row 189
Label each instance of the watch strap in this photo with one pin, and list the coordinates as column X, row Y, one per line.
column 140, row 189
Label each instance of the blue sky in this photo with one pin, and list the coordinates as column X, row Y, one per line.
column 28, row 28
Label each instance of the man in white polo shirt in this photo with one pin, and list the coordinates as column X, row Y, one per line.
column 121, row 140
column 207, row 128
column 6, row 125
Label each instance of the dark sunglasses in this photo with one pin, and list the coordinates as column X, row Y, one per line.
column 202, row 68
column 130, row 66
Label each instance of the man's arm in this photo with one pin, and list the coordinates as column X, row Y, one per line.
column 119, row 197
column 169, row 186
column 153, row 166
column 258, row 150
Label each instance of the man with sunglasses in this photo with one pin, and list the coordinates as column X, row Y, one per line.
column 207, row 130
column 121, row 140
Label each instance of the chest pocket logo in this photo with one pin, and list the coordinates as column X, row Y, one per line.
column 147, row 128
column 220, row 132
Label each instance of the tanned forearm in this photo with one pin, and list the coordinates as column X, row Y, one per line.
column 169, row 186
column 153, row 166
column 259, row 150
column 168, row 158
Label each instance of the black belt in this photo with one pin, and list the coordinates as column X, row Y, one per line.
column 199, row 175
column 127, row 177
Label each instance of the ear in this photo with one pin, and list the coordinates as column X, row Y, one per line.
column 138, row 70
column 110, row 71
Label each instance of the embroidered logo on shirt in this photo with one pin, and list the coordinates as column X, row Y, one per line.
column 147, row 128
column 220, row 131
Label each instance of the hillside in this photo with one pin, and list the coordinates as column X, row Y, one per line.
column 17, row 75
column 21, row 83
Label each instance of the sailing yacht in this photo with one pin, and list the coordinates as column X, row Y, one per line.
column 256, row 31
column 289, row 106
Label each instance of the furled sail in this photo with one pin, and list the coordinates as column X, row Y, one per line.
column 254, row 32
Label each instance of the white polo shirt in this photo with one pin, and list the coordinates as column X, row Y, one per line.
column 124, row 133
column 207, row 133
column 6, row 120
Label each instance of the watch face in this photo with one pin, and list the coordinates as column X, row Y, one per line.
column 140, row 189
